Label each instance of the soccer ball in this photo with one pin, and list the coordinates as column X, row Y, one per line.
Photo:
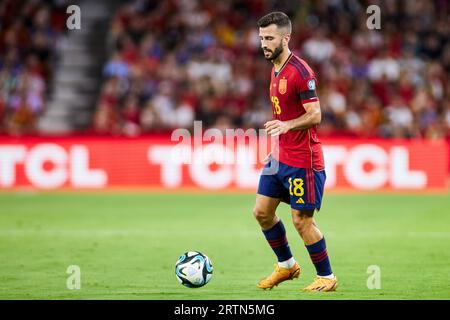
column 193, row 269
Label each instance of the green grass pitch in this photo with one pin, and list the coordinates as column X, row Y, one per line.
column 126, row 245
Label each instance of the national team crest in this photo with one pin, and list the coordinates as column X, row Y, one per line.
column 282, row 86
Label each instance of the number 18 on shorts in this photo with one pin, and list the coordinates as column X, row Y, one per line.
column 302, row 188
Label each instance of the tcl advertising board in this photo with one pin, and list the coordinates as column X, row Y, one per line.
column 99, row 163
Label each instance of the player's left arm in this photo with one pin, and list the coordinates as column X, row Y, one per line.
column 309, row 119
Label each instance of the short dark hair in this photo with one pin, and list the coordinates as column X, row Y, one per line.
column 280, row 19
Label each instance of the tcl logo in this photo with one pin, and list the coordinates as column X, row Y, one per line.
column 50, row 166
column 369, row 167
column 232, row 167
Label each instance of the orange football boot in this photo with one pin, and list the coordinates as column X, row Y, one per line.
column 322, row 284
column 279, row 275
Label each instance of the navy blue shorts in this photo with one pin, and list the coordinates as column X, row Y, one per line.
column 302, row 188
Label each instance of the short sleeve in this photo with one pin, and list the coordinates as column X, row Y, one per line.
column 306, row 89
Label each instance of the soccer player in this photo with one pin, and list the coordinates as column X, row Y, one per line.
column 300, row 177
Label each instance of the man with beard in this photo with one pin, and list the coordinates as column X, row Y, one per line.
column 299, row 175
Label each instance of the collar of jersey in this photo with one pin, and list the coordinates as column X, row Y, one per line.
column 282, row 67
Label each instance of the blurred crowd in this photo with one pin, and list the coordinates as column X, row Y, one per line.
column 29, row 33
column 176, row 61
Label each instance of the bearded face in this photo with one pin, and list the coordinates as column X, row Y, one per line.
column 273, row 54
column 273, row 41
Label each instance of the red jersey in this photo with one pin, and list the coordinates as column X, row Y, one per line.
column 294, row 85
